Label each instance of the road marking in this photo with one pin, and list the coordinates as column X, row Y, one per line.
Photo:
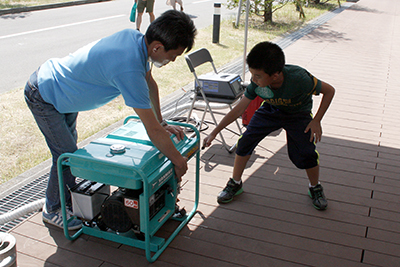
column 61, row 26
column 202, row 1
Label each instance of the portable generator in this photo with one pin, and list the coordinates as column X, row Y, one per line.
column 146, row 187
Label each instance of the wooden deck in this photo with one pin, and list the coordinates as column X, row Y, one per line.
column 273, row 222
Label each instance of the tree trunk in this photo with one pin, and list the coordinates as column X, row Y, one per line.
column 268, row 11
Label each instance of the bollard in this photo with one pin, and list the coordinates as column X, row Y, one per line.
column 8, row 250
column 217, row 22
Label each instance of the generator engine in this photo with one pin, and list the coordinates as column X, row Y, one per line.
column 120, row 211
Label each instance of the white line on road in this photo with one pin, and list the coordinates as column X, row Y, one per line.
column 203, row 1
column 58, row 27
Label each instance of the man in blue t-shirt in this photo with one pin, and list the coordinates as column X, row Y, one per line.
column 287, row 91
column 96, row 74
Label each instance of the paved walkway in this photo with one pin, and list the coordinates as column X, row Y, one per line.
column 273, row 223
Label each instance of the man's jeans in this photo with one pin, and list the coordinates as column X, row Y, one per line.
column 61, row 136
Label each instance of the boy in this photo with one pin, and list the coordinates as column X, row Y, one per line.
column 287, row 91
column 93, row 76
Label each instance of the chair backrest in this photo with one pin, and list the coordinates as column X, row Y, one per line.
column 198, row 58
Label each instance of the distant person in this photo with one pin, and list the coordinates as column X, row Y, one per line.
column 173, row 3
column 287, row 91
column 141, row 5
column 93, row 76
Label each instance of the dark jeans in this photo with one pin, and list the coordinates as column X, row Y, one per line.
column 61, row 136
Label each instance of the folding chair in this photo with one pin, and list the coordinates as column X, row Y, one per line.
column 194, row 60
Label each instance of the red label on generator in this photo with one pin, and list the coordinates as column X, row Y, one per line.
column 130, row 203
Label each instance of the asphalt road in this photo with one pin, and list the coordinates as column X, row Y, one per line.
column 28, row 39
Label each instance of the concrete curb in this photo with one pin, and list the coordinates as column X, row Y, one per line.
column 42, row 7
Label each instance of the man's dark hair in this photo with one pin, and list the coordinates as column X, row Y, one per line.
column 173, row 29
column 266, row 56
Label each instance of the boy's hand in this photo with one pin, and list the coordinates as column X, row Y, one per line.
column 207, row 141
column 316, row 131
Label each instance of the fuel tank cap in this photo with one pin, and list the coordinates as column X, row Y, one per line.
column 117, row 149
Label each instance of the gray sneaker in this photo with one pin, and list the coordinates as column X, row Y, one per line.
column 318, row 197
column 231, row 189
column 55, row 218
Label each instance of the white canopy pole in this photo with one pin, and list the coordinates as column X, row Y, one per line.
column 245, row 39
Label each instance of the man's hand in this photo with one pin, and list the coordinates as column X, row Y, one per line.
column 176, row 130
column 181, row 169
column 316, row 130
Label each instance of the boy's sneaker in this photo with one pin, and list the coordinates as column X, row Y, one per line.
column 55, row 219
column 318, row 197
column 231, row 189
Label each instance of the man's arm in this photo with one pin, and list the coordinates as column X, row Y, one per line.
column 327, row 92
column 161, row 140
column 228, row 119
column 154, row 96
column 155, row 100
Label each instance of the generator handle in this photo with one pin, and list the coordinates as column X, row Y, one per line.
column 134, row 117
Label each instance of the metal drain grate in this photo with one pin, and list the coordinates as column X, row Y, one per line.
column 28, row 193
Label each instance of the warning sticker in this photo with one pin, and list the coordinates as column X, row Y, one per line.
column 131, row 203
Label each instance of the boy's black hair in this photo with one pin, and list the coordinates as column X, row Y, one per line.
column 173, row 29
column 266, row 56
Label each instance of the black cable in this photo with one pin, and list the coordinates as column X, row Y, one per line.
column 191, row 120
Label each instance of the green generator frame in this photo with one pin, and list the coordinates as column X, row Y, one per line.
column 151, row 244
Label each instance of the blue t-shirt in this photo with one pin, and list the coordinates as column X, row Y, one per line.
column 97, row 73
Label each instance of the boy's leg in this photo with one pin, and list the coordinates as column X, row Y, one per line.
column 315, row 190
column 313, row 175
column 262, row 124
column 238, row 167
column 304, row 155
column 234, row 186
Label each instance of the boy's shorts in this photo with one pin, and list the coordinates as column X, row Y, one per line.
column 267, row 119
column 148, row 4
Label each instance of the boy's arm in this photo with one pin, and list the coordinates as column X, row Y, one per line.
column 327, row 92
column 228, row 119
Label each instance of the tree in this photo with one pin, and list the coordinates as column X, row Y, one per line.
column 263, row 8
column 299, row 7
column 266, row 8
